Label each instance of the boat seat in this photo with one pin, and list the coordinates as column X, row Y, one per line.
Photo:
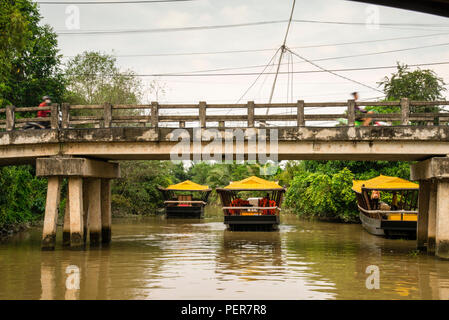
column 185, row 198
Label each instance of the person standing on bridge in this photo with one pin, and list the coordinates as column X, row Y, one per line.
column 46, row 101
column 358, row 110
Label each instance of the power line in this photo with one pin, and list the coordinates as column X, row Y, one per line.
column 379, row 24
column 96, row 32
column 223, row 26
column 258, row 76
column 168, row 54
column 108, row 2
column 332, row 72
column 272, row 73
column 369, row 41
column 282, row 52
column 325, row 59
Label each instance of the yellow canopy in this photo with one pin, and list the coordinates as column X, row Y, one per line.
column 383, row 183
column 187, row 186
column 253, row 183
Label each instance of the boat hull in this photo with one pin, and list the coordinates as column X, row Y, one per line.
column 371, row 225
column 252, row 223
column 194, row 212
column 388, row 228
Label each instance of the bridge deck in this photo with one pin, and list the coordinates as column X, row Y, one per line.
column 141, row 132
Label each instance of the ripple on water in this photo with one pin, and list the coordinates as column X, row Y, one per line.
column 154, row 258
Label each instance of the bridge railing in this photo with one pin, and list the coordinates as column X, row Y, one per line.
column 249, row 115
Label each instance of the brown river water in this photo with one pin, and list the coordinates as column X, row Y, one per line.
column 155, row 258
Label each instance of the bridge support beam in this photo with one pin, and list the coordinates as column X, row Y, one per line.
column 433, row 175
column 88, row 206
column 51, row 213
column 76, row 211
column 66, row 226
column 431, row 227
column 94, row 211
column 106, row 216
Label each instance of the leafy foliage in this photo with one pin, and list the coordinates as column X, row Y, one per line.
column 324, row 188
column 136, row 192
column 94, row 78
column 317, row 194
column 23, row 196
column 421, row 85
column 29, row 60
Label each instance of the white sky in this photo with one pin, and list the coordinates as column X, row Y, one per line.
column 228, row 89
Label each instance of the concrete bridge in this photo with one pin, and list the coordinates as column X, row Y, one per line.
column 81, row 140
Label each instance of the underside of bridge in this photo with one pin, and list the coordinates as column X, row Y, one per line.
column 407, row 143
column 437, row 7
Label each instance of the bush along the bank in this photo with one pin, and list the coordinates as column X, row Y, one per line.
column 22, row 199
column 322, row 195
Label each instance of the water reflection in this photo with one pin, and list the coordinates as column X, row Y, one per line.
column 154, row 258
column 249, row 254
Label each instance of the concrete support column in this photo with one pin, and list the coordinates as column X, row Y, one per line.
column 94, row 217
column 51, row 213
column 85, row 209
column 88, row 207
column 423, row 215
column 442, row 221
column 431, row 230
column 106, row 216
column 76, row 211
column 66, row 227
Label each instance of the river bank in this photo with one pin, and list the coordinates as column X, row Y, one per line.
column 7, row 231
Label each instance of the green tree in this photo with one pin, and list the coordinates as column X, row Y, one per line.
column 95, row 78
column 419, row 85
column 29, row 60
column 29, row 69
column 137, row 191
column 23, row 199
column 423, row 85
column 323, row 195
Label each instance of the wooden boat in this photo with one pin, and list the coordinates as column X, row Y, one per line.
column 185, row 200
column 252, row 214
column 399, row 218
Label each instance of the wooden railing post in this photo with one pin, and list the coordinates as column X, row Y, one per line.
column 10, row 118
column 154, row 114
column 107, row 115
column 405, row 111
column 351, row 112
column 65, row 110
column 300, row 119
column 54, row 116
column 202, row 114
column 250, row 114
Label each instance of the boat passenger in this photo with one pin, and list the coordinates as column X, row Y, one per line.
column 394, row 202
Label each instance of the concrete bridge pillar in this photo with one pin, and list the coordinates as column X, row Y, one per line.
column 88, row 207
column 433, row 218
column 51, row 213
column 106, row 216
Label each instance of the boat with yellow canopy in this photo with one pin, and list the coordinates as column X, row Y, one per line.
column 260, row 212
column 388, row 206
column 186, row 199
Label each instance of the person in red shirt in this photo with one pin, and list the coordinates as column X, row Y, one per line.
column 45, row 103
